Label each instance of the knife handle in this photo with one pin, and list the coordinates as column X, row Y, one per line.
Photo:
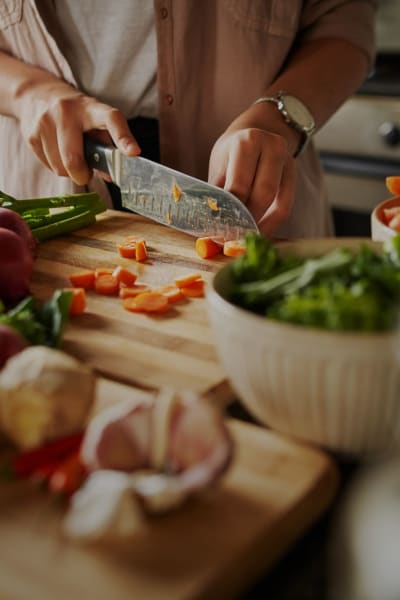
column 97, row 155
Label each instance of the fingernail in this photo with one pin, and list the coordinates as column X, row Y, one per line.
column 130, row 146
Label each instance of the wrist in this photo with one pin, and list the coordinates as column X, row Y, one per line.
column 267, row 117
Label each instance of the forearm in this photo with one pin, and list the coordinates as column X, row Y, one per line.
column 17, row 78
column 321, row 73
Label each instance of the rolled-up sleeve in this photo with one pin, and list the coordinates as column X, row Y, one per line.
column 351, row 20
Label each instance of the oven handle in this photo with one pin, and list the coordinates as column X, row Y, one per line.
column 347, row 164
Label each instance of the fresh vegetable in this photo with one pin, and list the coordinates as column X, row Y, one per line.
column 124, row 276
column 206, row 247
column 84, row 279
column 46, row 220
column 78, row 300
column 13, row 221
column 16, row 266
column 133, row 247
column 148, row 302
column 68, row 476
column 187, row 280
column 141, row 251
column 132, row 291
column 106, row 284
column 40, row 323
column 393, row 184
column 194, row 290
column 341, row 290
column 234, row 248
column 44, row 394
column 11, row 343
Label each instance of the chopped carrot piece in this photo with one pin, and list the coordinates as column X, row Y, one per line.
column 102, row 271
column 141, row 251
column 78, row 301
column 187, row 280
column 132, row 291
column 212, row 204
column 68, row 476
column 124, row 276
column 150, row 302
column 106, row 285
column 393, row 184
column 234, row 248
column 207, row 248
column 389, row 213
column 176, row 192
column 172, row 292
column 83, row 279
column 194, row 290
column 127, row 249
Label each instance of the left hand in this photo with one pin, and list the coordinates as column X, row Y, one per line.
column 255, row 165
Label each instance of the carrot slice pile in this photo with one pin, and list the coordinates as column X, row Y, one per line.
column 133, row 247
column 207, row 248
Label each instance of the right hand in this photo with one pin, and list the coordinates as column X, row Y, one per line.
column 54, row 115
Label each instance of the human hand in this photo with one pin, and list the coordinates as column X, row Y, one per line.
column 255, row 165
column 54, row 116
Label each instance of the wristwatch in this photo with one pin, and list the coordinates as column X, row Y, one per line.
column 295, row 114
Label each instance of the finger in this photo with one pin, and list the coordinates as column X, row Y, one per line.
column 266, row 181
column 112, row 120
column 51, row 150
column 242, row 165
column 282, row 205
column 70, row 144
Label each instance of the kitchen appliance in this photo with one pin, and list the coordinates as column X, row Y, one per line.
column 170, row 197
column 360, row 145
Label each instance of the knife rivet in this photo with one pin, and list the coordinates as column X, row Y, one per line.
column 169, row 98
column 96, row 157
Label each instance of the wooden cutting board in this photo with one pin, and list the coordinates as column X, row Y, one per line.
column 176, row 347
column 213, row 547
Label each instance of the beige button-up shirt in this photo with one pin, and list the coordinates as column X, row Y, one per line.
column 215, row 58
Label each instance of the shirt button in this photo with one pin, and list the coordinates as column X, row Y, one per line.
column 164, row 12
column 169, row 99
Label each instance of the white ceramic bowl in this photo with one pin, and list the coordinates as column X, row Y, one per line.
column 379, row 230
column 340, row 390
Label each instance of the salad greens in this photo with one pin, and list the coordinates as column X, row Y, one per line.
column 40, row 324
column 341, row 290
column 48, row 217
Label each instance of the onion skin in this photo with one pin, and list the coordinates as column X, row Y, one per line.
column 10, row 343
column 16, row 266
column 11, row 220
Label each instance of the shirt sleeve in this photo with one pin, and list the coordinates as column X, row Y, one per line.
column 350, row 20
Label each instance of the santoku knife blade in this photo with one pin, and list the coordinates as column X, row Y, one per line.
column 170, row 197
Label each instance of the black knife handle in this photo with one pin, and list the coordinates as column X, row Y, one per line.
column 96, row 154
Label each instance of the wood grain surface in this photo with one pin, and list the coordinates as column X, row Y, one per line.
column 213, row 547
column 146, row 351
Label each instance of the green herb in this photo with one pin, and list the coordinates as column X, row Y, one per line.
column 49, row 217
column 40, row 324
column 341, row 290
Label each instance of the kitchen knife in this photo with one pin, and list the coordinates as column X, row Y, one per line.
column 170, row 197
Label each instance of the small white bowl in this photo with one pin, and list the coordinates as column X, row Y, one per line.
column 340, row 390
column 379, row 230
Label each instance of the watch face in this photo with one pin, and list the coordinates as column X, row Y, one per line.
column 298, row 112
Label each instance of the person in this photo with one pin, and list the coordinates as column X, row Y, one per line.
column 205, row 76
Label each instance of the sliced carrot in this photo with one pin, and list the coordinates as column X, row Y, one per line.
column 172, row 292
column 68, row 476
column 83, row 279
column 134, row 290
column 106, row 285
column 234, row 248
column 78, row 301
column 102, row 271
column 141, row 251
column 176, row 192
column 194, row 290
column 124, row 276
column 150, row 302
column 212, row 204
column 186, row 280
column 394, row 223
column 389, row 213
column 393, row 184
column 127, row 249
column 207, row 248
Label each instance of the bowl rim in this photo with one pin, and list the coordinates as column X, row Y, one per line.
column 214, row 296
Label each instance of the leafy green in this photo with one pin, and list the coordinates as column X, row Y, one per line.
column 40, row 324
column 49, row 217
column 340, row 290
